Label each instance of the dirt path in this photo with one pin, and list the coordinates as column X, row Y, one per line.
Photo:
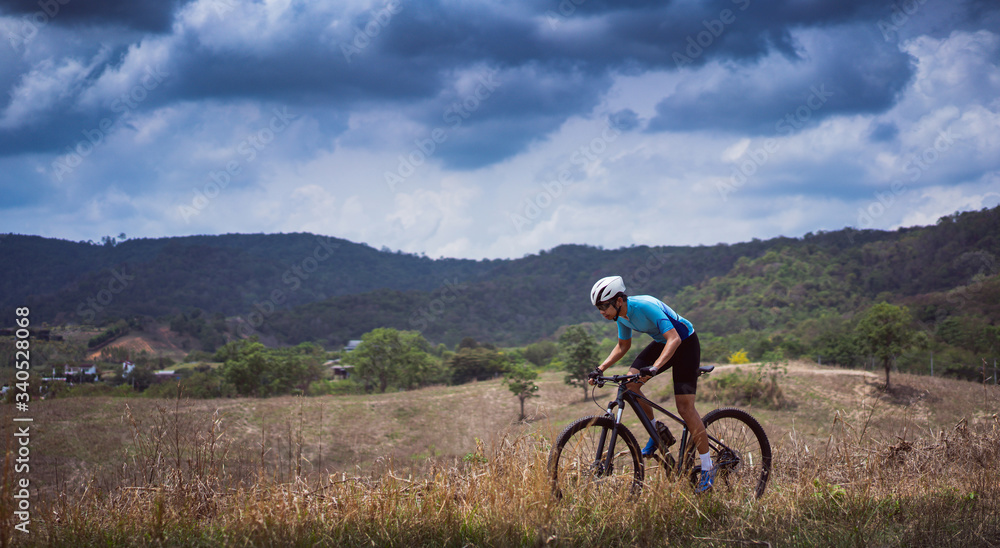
column 804, row 367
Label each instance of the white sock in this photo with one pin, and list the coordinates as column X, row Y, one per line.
column 706, row 462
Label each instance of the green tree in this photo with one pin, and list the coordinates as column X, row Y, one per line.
column 248, row 370
column 255, row 370
column 388, row 357
column 541, row 353
column 469, row 364
column 837, row 342
column 578, row 353
column 140, row 378
column 520, row 379
column 885, row 331
column 467, row 342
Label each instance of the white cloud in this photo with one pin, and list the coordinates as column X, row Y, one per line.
column 48, row 84
column 958, row 70
column 326, row 172
column 936, row 202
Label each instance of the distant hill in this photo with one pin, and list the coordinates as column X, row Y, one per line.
column 793, row 283
column 291, row 288
column 68, row 282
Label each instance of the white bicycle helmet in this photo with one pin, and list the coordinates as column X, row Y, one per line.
column 606, row 288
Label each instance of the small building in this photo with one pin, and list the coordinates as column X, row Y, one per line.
column 82, row 373
column 85, row 369
column 341, row 371
column 352, row 344
column 165, row 375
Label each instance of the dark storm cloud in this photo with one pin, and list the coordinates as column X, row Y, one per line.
column 147, row 15
column 658, row 35
column 846, row 72
column 52, row 134
column 558, row 58
column 501, row 112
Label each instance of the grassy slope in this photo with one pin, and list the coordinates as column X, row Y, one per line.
column 350, row 432
column 837, row 415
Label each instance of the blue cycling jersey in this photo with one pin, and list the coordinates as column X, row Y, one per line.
column 652, row 316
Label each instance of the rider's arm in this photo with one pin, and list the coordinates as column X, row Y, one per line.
column 673, row 341
column 616, row 353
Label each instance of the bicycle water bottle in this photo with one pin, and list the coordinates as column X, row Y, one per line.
column 665, row 434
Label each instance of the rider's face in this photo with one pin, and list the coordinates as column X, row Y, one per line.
column 607, row 309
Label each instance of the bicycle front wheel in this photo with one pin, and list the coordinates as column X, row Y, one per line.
column 742, row 453
column 579, row 464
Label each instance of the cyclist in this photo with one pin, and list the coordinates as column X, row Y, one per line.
column 675, row 346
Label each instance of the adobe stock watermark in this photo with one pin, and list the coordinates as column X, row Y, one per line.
column 249, row 148
column 363, row 37
column 531, row 208
column 756, row 158
column 914, row 168
column 564, row 10
column 901, row 13
column 222, row 7
column 119, row 282
column 454, row 116
column 699, row 43
column 23, row 33
column 643, row 274
column 440, row 298
column 292, row 278
column 95, row 137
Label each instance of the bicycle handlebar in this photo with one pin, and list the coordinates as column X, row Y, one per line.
column 617, row 379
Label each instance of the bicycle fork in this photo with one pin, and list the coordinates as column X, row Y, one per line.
column 608, row 465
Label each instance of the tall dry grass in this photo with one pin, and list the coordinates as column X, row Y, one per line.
column 185, row 481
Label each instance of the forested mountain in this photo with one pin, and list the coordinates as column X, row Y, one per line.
column 291, row 288
column 792, row 283
column 794, row 290
column 63, row 281
column 67, row 282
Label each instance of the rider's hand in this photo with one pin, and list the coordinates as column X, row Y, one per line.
column 648, row 371
column 594, row 374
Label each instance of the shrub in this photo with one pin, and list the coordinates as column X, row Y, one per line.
column 759, row 388
column 739, row 357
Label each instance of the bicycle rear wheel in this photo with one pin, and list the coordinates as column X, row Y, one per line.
column 742, row 454
column 578, row 462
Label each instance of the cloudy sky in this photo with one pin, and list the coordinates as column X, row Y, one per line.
column 495, row 128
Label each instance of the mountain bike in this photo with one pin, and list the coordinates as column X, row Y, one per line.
column 599, row 455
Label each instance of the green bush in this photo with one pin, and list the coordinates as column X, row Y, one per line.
column 759, row 387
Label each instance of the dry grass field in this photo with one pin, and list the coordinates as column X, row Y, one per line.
column 450, row 466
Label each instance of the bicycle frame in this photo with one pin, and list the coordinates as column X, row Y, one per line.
column 632, row 398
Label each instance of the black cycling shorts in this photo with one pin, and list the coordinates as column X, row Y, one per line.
column 684, row 363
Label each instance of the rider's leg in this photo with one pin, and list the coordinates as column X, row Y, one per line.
column 637, row 388
column 646, row 408
column 685, row 406
column 645, row 358
column 688, row 358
